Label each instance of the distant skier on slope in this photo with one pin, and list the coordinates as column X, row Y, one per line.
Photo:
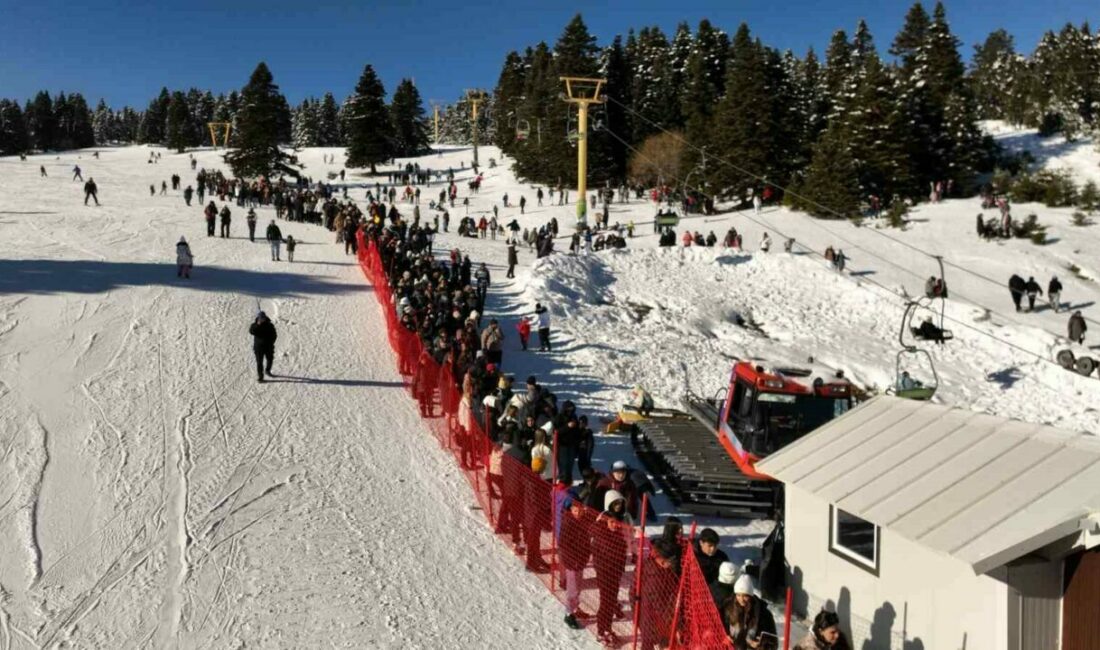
column 90, row 190
column 76, row 173
column 184, row 259
column 263, row 344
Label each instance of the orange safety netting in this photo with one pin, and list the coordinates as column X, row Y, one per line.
column 603, row 570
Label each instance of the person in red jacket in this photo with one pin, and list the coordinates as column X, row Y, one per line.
column 524, row 329
column 619, row 481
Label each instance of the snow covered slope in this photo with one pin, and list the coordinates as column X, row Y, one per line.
column 1080, row 157
column 152, row 494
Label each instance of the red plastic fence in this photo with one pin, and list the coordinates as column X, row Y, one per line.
column 588, row 559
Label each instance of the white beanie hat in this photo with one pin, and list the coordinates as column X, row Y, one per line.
column 727, row 572
column 745, row 585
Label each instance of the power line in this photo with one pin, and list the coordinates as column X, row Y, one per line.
column 837, row 213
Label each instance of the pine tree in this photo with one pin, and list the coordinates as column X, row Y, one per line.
column 283, row 124
column 13, row 129
column 407, row 114
column 329, row 122
column 101, row 123
column 178, row 124
column 618, row 121
column 41, row 121
column 839, row 71
column 540, row 92
column 367, row 123
column 829, row 189
column 989, row 76
column 744, row 123
column 508, row 98
column 940, row 59
column 257, row 151
column 654, row 94
column 155, row 119
column 576, row 54
column 63, row 127
column 307, row 124
column 912, row 36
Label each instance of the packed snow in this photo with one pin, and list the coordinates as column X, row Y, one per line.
column 153, row 494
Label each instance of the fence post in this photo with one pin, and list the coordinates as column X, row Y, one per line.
column 676, row 611
column 787, row 624
column 638, row 570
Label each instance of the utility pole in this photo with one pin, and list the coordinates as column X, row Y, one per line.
column 583, row 92
column 475, row 97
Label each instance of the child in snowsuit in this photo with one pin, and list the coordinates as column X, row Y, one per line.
column 184, row 259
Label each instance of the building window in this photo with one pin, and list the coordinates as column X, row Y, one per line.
column 854, row 539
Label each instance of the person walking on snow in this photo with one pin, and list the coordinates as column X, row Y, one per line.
column 1033, row 291
column 90, row 190
column 765, row 243
column 757, row 202
column 76, row 173
column 1077, row 327
column 184, row 259
column 275, row 238
column 1054, row 294
column 542, row 319
column 187, row 193
column 263, row 344
column 513, row 259
column 524, row 329
column 226, row 218
column 290, row 246
column 250, row 219
column 1017, row 287
column 211, row 213
column 42, row 171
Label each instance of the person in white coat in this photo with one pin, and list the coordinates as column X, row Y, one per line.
column 184, row 259
column 765, row 243
column 542, row 320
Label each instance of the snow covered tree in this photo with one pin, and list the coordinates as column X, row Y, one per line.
column 653, row 92
column 839, row 69
column 508, row 99
column 13, row 129
column 178, row 125
column 306, row 120
column 367, row 123
column 102, row 121
column 410, row 131
column 991, row 74
column 258, row 120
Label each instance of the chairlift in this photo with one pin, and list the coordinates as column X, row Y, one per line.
column 523, row 130
column 905, row 386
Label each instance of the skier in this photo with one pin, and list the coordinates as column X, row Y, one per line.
column 1033, row 290
column 250, row 219
column 76, row 173
column 765, row 243
column 187, row 193
column 226, row 219
column 513, row 259
column 290, row 246
column 263, row 344
column 542, row 319
column 1054, row 293
column 839, row 261
column 163, row 188
column 1017, row 286
column 275, row 238
column 184, row 259
column 211, row 213
column 1077, row 327
column 152, row 190
column 90, row 190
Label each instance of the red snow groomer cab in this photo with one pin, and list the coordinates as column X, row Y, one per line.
column 766, row 409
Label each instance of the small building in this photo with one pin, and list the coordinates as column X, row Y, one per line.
column 932, row 528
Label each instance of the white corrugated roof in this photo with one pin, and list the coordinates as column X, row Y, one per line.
column 980, row 488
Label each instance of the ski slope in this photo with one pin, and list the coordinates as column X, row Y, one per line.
column 152, row 494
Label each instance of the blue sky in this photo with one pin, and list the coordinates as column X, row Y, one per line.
column 125, row 51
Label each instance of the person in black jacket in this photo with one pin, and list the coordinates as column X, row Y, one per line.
column 1017, row 287
column 1054, row 294
column 90, row 191
column 263, row 344
column 709, row 556
column 1033, row 290
column 574, row 542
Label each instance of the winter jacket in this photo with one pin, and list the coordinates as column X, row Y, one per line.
column 1054, row 287
column 543, row 318
column 709, row 564
column 225, row 215
column 1032, row 288
column 574, row 540
column 273, row 233
column 755, row 617
column 722, row 593
column 183, row 254
column 524, row 328
column 263, row 336
column 1017, row 285
column 626, row 488
column 513, row 257
column 1077, row 327
column 492, row 338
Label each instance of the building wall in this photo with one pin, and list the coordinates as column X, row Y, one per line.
column 921, row 600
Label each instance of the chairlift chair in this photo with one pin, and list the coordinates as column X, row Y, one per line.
column 919, row 391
